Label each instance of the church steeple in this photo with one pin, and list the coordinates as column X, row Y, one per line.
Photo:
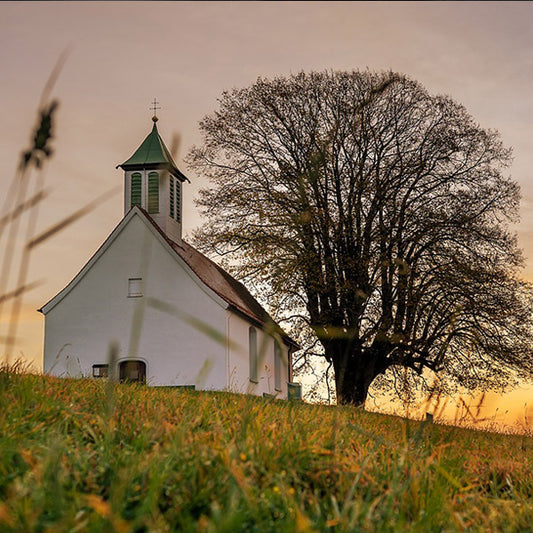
column 153, row 181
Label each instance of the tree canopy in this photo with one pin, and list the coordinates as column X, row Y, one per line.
column 382, row 212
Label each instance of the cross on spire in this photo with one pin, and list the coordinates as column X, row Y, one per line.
column 154, row 107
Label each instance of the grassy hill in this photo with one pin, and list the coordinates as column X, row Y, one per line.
column 84, row 455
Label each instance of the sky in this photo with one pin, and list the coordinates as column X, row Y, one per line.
column 122, row 55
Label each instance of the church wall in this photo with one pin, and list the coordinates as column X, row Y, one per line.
column 239, row 360
column 169, row 327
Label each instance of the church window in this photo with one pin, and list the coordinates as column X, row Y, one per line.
column 136, row 189
column 277, row 366
column 171, row 197
column 252, row 337
column 153, row 192
column 100, row 371
column 135, row 287
column 132, row 371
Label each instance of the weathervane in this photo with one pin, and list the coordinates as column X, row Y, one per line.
column 155, row 107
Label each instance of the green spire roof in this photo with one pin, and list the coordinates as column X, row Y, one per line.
column 152, row 154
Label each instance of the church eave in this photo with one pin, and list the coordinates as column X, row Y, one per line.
column 267, row 324
column 175, row 171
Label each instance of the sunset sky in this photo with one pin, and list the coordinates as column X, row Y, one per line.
column 123, row 54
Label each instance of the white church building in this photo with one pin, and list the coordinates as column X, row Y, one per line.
column 174, row 316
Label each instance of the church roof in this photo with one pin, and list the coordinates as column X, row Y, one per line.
column 219, row 281
column 223, row 284
column 228, row 288
column 152, row 154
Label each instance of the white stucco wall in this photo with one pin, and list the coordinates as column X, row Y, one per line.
column 238, row 360
column 177, row 343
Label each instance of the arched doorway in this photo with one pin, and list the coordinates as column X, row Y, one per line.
column 132, row 370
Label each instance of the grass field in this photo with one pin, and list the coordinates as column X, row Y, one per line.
column 86, row 455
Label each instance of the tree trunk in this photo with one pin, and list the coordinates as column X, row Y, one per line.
column 355, row 370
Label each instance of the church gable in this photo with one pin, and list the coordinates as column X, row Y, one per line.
column 156, row 234
column 136, row 292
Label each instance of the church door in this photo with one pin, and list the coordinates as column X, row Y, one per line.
column 132, row 371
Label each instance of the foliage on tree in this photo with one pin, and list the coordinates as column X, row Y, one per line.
column 380, row 210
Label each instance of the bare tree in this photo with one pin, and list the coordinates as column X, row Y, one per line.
column 379, row 210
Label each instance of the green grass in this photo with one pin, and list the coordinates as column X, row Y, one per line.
column 85, row 455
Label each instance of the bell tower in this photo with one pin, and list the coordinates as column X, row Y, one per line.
column 153, row 182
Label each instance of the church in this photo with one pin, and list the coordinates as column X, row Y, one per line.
column 174, row 317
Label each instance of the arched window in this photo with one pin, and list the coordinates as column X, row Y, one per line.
column 132, row 371
column 277, row 365
column 136, row 195
column 153, row 192
column 252, row 338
